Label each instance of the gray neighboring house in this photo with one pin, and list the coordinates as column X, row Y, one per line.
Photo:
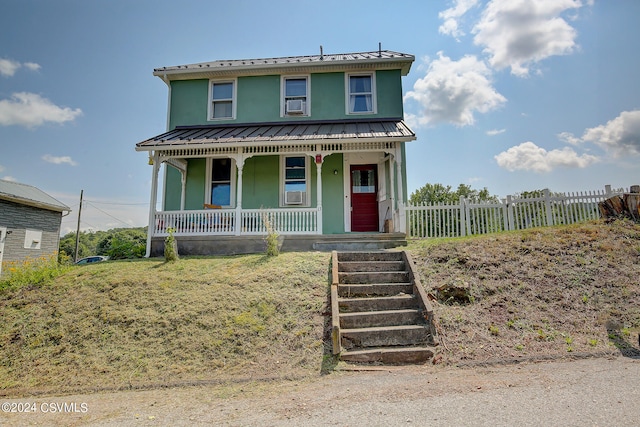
column 30, row 222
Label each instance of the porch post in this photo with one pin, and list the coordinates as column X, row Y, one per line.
column 392, row 192
column 151, row 229
column 183, row 195
column 319, row 191
column 240, row 165
column 401, row 215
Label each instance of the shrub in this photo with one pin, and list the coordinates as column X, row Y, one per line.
column 170, row 247
column 31, row 271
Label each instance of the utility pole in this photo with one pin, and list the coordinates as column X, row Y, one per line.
column 75, row 257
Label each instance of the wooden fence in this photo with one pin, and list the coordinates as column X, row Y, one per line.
column 512, row 213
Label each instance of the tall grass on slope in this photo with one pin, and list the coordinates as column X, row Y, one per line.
column 544, row 292
column 136, row 323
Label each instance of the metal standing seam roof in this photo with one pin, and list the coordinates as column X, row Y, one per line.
column 375, row 59
column 29, row 195
column 243, row 135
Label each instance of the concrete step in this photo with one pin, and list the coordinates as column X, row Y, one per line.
column 405, row 335
column 370, row 319
column 396, row 302
column 382, row 289
column 389, row 355
column 368, row 266
column 374, row 277
column 369, row 256
column 374, row 244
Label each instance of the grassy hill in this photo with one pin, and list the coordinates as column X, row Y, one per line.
column 126, row 324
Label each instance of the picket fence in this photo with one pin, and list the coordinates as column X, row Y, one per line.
column 512, row 213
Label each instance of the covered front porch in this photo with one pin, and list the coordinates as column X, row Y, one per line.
column 343, row 162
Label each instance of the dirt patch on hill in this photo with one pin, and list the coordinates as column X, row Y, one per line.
column 541, row 293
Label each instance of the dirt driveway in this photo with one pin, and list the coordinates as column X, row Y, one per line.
column 595, row 392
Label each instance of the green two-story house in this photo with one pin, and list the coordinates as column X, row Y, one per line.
column 312, row 145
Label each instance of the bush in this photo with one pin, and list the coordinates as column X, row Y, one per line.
column 170, row 247
column 31, row 271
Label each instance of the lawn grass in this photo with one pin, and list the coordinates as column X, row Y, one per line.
column 123, row 324
column 540, row 293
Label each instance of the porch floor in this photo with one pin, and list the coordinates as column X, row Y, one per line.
column 233, row 245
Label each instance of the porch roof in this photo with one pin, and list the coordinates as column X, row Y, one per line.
column 243, row 135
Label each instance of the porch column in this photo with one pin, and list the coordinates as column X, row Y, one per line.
column 401, row 216
column 319, row 190
column 240, row 165
column 153, row 200
column 392, row 190
column 183, row 194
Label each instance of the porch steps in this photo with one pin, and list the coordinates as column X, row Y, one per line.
column 361, row 242
column 380, row 311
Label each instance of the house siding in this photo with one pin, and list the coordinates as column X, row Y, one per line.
column 258, row 99
column 17, row 218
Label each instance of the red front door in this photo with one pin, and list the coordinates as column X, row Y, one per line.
column 364, row 198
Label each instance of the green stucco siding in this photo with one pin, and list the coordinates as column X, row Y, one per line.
column 189, row 100
column 260, row 182
column 258, row 99
column 389, row 91
column 172, row 189
column 332, row 195
column 196, row 184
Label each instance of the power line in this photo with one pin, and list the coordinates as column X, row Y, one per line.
column 118, row 203
column 108, row 214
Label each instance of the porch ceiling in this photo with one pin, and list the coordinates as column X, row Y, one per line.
column 247, row 135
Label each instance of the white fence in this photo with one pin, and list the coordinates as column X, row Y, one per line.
column 512, row 213
column 232, row 222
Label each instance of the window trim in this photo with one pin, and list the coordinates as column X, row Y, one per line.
column 209, row 178
column 283, row 98
column 307, row 181
column 374, row 98
column 233, row 99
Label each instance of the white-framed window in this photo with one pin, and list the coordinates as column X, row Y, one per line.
column 361, row 93
column 294, row 179
column 295, row 96
column 222, row 94
column 221, row 179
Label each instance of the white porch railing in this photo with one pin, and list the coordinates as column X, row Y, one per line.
column 512, row 213
column 211, row 222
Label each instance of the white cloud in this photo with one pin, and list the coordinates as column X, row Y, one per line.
column 58, row 160
column 32, row 66
column 529, row 157
column 519, row 33
column 494, row 132
column 452, row 91
column 8, row 67
column 10, row 178
column 620, row 136
column 569, row 138
column 31, row 110
column 452, row 17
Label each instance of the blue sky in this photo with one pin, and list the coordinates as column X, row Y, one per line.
column 512, row 95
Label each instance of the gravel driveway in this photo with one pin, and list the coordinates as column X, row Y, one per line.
column 588, row 392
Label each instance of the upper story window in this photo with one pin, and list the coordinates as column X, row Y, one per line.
column 294, row 179
column 361, row 97
column 223, row 95
column 295, row 96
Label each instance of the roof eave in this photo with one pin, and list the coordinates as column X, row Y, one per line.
column 254, row 143
column 35, row 203
column 204, row 71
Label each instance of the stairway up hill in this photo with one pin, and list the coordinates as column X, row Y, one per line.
column 380, row 312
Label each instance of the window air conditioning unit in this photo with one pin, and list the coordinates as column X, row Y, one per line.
column 293, row 197
column 295, row 106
